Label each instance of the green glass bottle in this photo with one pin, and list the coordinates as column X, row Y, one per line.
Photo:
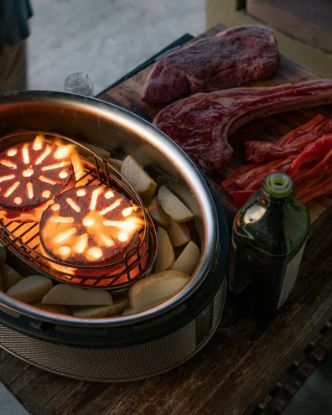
column 268, row 238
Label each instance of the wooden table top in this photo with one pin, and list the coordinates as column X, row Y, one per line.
column 244, row 358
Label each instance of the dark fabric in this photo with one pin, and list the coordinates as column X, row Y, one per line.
column 14, row 17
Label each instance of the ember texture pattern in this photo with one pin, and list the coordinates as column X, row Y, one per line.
column 88, row 225
column 228, row 59
column 33, row 173
column 201, row 124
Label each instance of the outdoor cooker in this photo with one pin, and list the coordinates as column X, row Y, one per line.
column 132, row 346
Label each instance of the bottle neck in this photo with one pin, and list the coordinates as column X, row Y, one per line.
column 278, row 188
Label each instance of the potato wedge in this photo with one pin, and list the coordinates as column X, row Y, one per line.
column 62, row 294
column 144, row 185
column 157, row 213
column 173, row 206
column 100, row 311
column 102, row 152
column 128, row 311
column 54, row 308
column 9, row 277
column 116, row 163
column 165, row 253
column 155, row 288
column 31, row 289
column 187, row 260
column 179, row 233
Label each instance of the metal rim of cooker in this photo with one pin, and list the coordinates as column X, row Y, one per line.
column 182, row 162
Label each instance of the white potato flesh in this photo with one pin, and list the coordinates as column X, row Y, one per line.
column 62, row 294
column 157, row 213
column 55, row 308
column 128, row 311
column 173, row 206
column 31, row 289
column 144, row 185
column 179, row 233
column 102, row 152
column 10, row 277
column 165, row 252
column 155, row 288
column 117, row 164
column 188, row 259
column 100, row 311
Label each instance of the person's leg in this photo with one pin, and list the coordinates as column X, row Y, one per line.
column 13, row 67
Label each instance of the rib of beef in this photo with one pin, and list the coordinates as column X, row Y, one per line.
column 202, row 123
column 228, row 59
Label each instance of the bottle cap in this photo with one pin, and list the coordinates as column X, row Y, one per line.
column 278, row 185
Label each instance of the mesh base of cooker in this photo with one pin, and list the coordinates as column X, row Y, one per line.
column 119, row 363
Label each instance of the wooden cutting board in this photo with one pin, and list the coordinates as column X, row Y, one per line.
column 128, row 93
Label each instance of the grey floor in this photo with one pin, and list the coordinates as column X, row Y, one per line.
column 106, row 39
column 103, row 38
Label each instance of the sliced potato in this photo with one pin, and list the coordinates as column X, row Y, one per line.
column 117, row 164
column 31, row 289
column 127, row 311
column 165, row 254
column 157, row 213
column 102, row 152
column 62, row 294
column 179, row 233
column 187, row 260
column 54, row 308
column 155, row 288
column 144, row 185
column 9, row 277
column 173, row 206
column 100, row 311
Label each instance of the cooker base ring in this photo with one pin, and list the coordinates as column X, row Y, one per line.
column 120, row 364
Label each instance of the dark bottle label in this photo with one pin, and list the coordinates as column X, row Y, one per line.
column 266, row 280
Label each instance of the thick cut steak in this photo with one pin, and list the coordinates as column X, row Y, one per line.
column 202, row 123
column 228, row 59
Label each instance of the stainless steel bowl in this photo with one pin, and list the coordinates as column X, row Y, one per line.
column 121, row 132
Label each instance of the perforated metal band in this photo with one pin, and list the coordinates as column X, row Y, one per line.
column 122, row 363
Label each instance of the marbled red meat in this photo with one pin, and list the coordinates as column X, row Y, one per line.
column 289, row 144
column 310, row 169
column 228, row 59
column 202, row 123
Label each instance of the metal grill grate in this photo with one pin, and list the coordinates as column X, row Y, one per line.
column 23, row 238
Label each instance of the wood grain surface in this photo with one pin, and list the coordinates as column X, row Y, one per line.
column 244, row 358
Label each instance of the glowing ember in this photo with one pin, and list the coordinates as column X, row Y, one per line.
column 30, row 177
column 95, row 228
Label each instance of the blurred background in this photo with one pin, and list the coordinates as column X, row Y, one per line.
column 104, row 39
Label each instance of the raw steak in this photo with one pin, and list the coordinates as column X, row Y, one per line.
column 228, row 59
column 202, row 123
column 291, row 143
column 310, row 170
